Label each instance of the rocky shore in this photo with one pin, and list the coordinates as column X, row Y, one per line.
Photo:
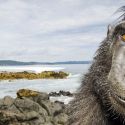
column 31, row 75
column 31, row 108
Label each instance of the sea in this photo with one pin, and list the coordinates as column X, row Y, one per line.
column 72, row 83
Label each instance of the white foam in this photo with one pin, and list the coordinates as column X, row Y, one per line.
column 74, row 75
column 61, row 98
column 36, row 69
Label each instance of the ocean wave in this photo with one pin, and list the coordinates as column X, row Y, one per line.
column 61, row 98
column 74, row 75
column 35, row 69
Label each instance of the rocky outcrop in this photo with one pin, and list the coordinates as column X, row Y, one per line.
column 30, row 75
column 31, row 108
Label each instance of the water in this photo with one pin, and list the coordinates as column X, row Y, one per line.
column 47, row 85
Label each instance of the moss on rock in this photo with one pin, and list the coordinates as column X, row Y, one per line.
column 26, row 93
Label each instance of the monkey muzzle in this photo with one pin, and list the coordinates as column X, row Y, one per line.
column 117, row 73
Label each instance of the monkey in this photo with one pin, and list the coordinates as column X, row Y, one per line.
column 100, row 100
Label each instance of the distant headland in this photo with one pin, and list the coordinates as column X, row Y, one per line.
column 18, row 63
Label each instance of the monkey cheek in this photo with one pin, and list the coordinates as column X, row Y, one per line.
column 117, row 72
column 116, row 78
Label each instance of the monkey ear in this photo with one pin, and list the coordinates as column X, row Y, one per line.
column 110, row 30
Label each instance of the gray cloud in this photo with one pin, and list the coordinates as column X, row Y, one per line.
column 57, row 30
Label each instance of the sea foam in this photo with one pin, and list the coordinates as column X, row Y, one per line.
column 35, row 69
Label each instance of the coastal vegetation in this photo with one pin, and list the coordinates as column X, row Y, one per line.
column 30, row 75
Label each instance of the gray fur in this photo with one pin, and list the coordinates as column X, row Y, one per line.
column 85, row 109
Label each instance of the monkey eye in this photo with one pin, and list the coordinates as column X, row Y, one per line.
column 123, row 37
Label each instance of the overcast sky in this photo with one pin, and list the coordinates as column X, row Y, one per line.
column 53, row 30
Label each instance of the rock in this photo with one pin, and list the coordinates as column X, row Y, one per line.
column 32, row 94
column 27, row 116
column 31, row 108
column 7, row 100
column 41, row 96
column 26, row 93
column 51, row 107
column 26, row 104
column 61, row 92
column 64, row 93
column 7, row 118
column 14, row 109
column 55, row 94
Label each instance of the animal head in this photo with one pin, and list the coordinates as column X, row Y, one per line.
column 110, row 62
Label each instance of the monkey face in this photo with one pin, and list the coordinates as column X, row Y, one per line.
column 116, row 75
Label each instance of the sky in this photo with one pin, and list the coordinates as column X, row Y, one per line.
column 53, row 30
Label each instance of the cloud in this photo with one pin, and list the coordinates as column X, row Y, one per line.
column 55, row 30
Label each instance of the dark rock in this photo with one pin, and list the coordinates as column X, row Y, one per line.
column 26, row 104
column 61, row 92
column 64, row 93
column 54, row 94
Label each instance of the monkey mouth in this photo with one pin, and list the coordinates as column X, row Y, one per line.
column 118, row 98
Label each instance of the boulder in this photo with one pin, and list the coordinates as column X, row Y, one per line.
column 26, row 93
